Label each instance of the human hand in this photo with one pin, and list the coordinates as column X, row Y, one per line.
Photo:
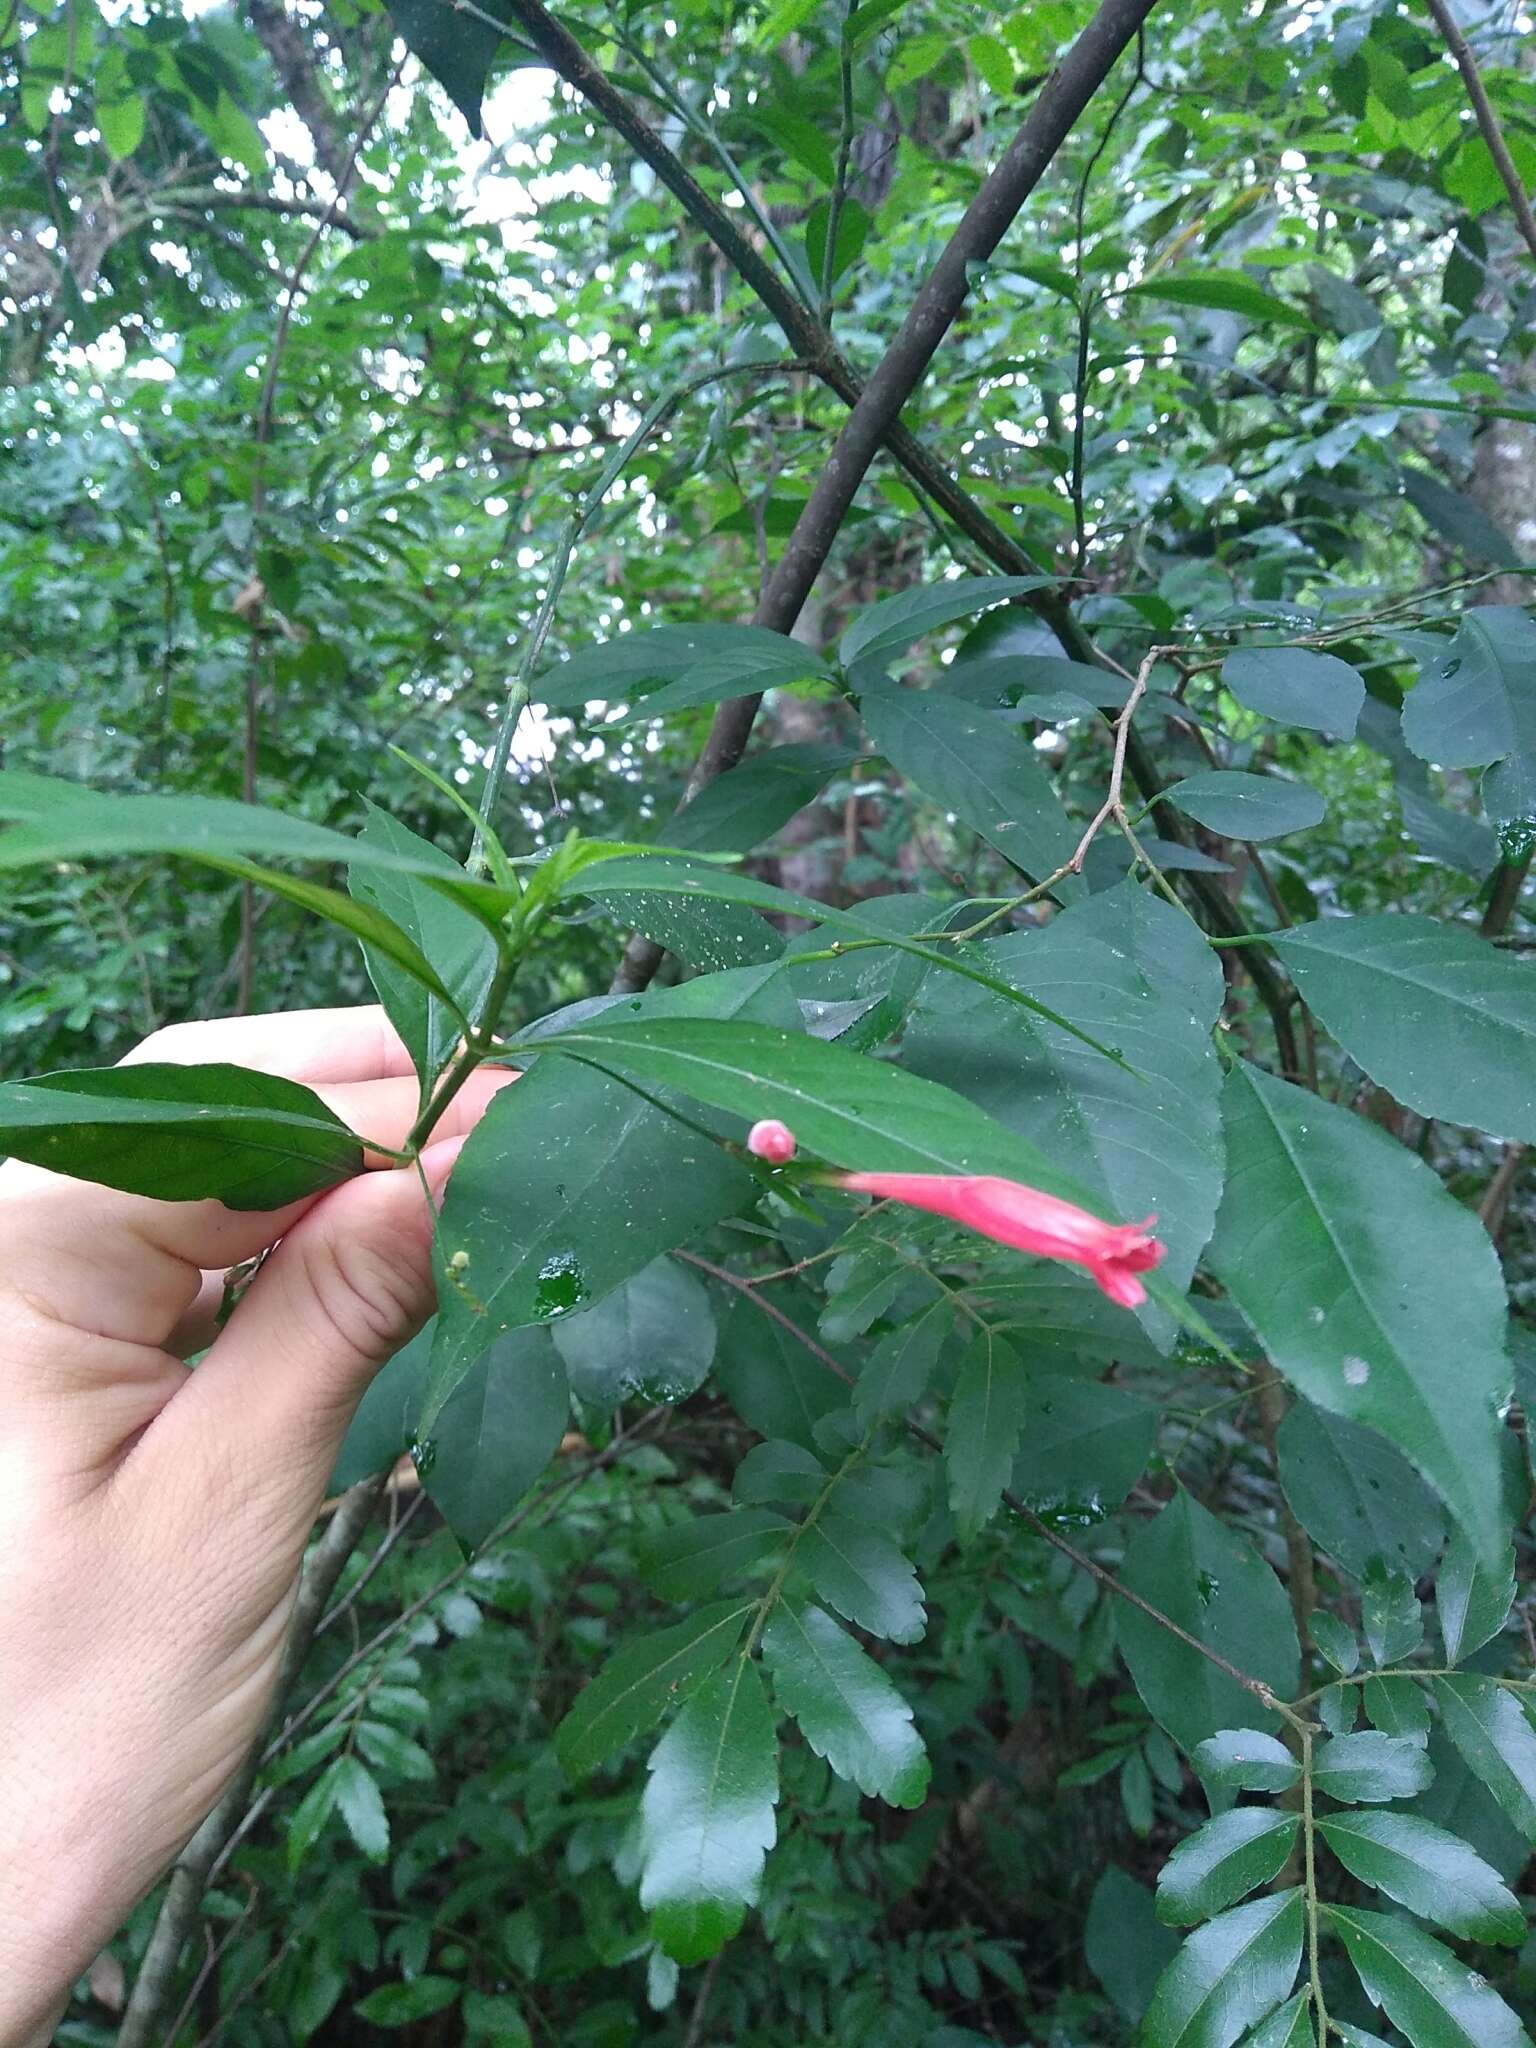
column 153, row 1519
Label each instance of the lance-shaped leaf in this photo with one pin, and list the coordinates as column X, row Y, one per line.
column 895, row 622
column 1290, row 2027
column 1496, row 1740
column 899, row 1368
column 1218, row 1590
column 859, row 1572
column 1429, row 1870
column 848, row 1710
column 1475, row 703
column 986, row 1418
column 1222, row 1862
column 1421, row 1987
column 630, row 664
column 182, row 1134
column 640, row 1681
column 497, row 1434
column 706, row 1818
column 1364, row 1280
column 1472, row 1598
column 985, row 772
column 1227, row 1976
column 1436, row 1015
column 460, row 951
column 739, row 810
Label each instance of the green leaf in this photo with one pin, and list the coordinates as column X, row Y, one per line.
column 1472, row 1599
column 362, row 1808
column 1356, row 1497
column 861, row 1575
column 1246, row 1760
column 397, row 2005
column 1124, row 1944
column 569, row 1185
column 1222, row 1862
column 776, row 1383
column 891, row 626
column 1336, row 1640
column 1290, row 2027
column 1397, row 1707
column 654, row 1337
column 1360, row 1276
column 59, row 821
column 785, row 1473
column 496, row 1434
column 986, row 1418
column 459, row 952
column 739, row 810
column 1428, row 1870
column 1475, row 703
column 769, row 661
column 1295, row 686
column 698, row 1556
column 853, row 226
column 896, row 1374
column 706, row 1819
column 1247, row 806
column 181, row 1134
column 1145, row 1138
column 1227, row 1976
column 1223, row 291
column 848, row 1710
column 1208, row 1580
column 121, row 122
column 1085, row 1447
column 643, row 1679
column 621, row 668
column 1422, row 1988
column 1443, row 1020
column 1371, row 1768
column 1461, row 520
column 310, row 1817
column 1390, row 1614
column 457, row 48
column 1496, row 1740
column 983, row 771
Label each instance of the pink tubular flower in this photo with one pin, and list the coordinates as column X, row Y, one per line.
column 772, row 1141
column 1029, row 1220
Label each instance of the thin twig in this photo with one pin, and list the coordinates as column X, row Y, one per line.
column 1487, row 120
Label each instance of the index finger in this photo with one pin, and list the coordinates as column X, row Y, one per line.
column 357, row 1044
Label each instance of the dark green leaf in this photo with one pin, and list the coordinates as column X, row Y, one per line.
column 862, row 1576
column 1124, row 1944
column 360, row 1805
column 853, row 226
column 698, row 1556
column 1222, row 1862
column 1486, row 1724
column 396, row 2005
column 640, row 1681
column 621, row 668
column 848, row 1710
column 776, row 1383
column 1085, row 1446
column 1290, row 2027
column 1472, row 1599
column 182, row 1134
column 1390, row 1614
column 1247, row 806
column 1246, row 1760
column 1223, row 291
column 457, row 48
column 654, row 1337
column 1397, row 1706
column 496, row 1433
column 1459, row 518
column 1371, row 1768
column 1336, row 1640
column 1228, row 1975
column 987, row 773
column 1355, row 1496
column 1424, row 1991
column 1429, row 1871
column 1360, row 1276
column 739, row 810
column 1443, row 1020
column 896, row 1374
column 706, row 1819
column 1475, row 703
column 1296, row 686
column 986, row 1417
column 893, row 624
column 1209, row 1581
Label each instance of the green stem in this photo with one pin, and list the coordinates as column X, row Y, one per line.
column 770, row 1599
column 1309, row 1851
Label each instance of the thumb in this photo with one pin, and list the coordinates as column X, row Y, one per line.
column 349, row 1284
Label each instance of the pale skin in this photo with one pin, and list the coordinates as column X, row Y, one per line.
column 153, row 1519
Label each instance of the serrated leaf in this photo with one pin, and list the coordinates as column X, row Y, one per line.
column 1428, row 1870
column 1297, row 686
column 1422, row 1988
column 1390, row 1614
column 1434, row 1014
column 1472, row 1599
column 1222, row 1862
column 362, row 1808
column 1371, row 1768
column 861, row 1575
column 181, row 1133
column 1246, row 806
column 774, row 1381
column 642, row 1679
column 1246, row 1760
column 893, row 623
column 698, row 1556
column 1397, row 1706
column 987, row 1413
column 706, row 1817
column 1208, row 1580
column 848, row 1710
column 1336, row 1640
column 1496, row 1740
column 897, row 1371
column 1227, row 1976
column 1360, row 1276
